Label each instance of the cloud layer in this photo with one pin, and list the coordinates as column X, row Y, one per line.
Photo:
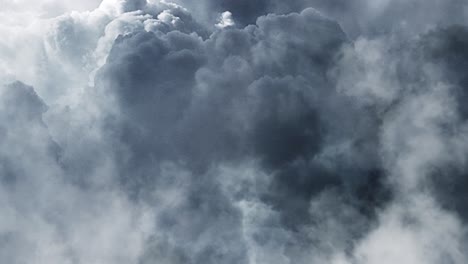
column 233, row 132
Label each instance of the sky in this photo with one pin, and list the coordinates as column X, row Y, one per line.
column 234, row 131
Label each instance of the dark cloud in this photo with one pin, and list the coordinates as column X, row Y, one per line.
column 361, row 17
column 445, row 48
column 331, row 134
column 261, row 93
column 431, row 65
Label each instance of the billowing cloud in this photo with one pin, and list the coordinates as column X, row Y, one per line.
column 233, row 132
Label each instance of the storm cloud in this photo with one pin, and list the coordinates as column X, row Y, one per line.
column 233, row 132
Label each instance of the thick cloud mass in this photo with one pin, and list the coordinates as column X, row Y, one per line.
column 357, row 17
column 305, row 131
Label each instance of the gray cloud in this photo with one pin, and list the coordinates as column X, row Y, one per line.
column 240, row 95
column 288, row 135
column 360, row 17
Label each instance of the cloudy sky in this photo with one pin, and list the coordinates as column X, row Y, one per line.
column 234, row 131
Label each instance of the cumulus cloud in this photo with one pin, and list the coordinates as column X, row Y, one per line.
column 310, row 131
column 225, row 20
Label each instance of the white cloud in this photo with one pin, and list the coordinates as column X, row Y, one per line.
column 225, row 20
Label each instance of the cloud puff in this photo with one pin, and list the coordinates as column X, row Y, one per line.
column 259, row 94
column 226, row 20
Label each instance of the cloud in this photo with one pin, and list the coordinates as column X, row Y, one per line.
column 47, row 218
column 226, row 20
column 233, row 132
column 242, row 95
column 360, row 17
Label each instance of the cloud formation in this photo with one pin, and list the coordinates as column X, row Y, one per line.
column 233, row 132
